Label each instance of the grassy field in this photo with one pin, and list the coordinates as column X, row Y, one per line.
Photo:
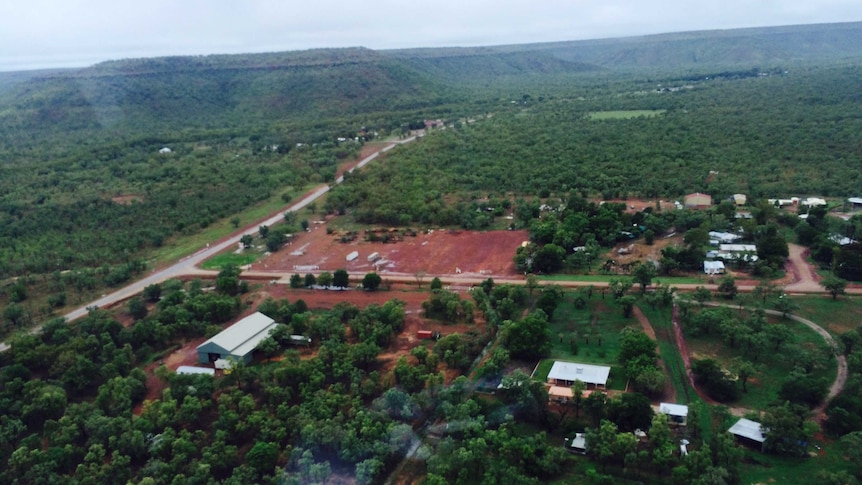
column 759, row 467
column 221, row 260
column 837, row 316
column 625, row 115
column 589, row 334
column 665, row 280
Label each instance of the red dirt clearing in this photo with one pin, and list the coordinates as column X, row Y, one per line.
column 440, row 252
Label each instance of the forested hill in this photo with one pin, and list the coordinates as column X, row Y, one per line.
column 164, row 94
column 208, row 91
column 743, row 48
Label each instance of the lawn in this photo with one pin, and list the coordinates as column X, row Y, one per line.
column 595, row 278
column 759, row 467
column 219, row 261
column 837, row 316
column 625, row 115
column 590, row 334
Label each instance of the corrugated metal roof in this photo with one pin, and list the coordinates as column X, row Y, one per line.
column 243, row 336
column 673, row 409
column 571, row 371
column 748, row 429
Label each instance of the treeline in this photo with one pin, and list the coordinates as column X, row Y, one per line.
column 764, row 136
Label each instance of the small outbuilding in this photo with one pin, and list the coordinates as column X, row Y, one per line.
column 713, row 267
column 192, row 370
column 676, row 413
column 855, row 202
column 697, row 201
column 238, row 341
column 749, row 432
column 578, row 444
column 566, row 373
column 165, row 150
column 739, row 199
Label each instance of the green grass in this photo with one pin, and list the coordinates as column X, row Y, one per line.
column 759, row 467
column 625, row 115
column 837, row 316
column 219, row 261
column 594, row 329
column 665, row 280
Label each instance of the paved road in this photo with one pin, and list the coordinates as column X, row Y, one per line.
column 188, row 264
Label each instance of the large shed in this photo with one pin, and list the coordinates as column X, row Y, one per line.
column 566, row 373
column 238, row 341
column 748, row 431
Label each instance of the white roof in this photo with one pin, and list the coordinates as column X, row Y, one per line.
column 190, row 369
column 748, row 429
column 814, row 201
column 724, row 236
column 571, row 371
column 712, row 266
column 579, row 442
column 855, row 200
column 243, row 336
column 739, row 248
column 673, row 409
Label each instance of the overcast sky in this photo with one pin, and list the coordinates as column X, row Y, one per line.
column 70, row 33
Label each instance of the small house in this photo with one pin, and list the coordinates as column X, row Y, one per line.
column 697, row 201
column 713, row 267
column 566, row 373
column 739, row 199
column 855, row 202
column 749, row 432
column 676, row 413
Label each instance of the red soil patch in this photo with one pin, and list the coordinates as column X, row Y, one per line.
column 442, row 252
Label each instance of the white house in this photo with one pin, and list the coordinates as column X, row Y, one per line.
column 713, row 267
column 566, row 373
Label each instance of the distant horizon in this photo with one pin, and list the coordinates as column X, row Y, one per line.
column 82, row 64
column 46, row 34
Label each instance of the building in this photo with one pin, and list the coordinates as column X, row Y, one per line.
column 739, row 199
column 676, row 413
column 713, row 267
column 697, row 201
column 192, row 370
column 565, row 374
column 749, row 432
column 164, row 150
column 717, row 237
column 855, row 202
column 238, row 341
column 737, row 252
column 813, row 202
column 578, row 444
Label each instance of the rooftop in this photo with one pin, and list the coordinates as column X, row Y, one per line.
column 748, row 429
column 573, row 371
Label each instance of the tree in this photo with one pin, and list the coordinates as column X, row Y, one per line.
column 371, row 281
column 341, row 279
column 436, row 284
column 744, row 370
column 296, row 281
column 262, row 457
column 227, row 281
column 247, row 240
column 263, row 231
column 420, row 277
column 727, row 288
column 701, row 295
column 530, row 337
column 787, row 428
column 234, row 222
column 785, row 305
column 578, row 389
column 852, row 446
column 310, row 279
column 619, row 287
column 643, row 274
column 627, row 303
column 325, row 279
column 137, row 308
column 834, row 285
